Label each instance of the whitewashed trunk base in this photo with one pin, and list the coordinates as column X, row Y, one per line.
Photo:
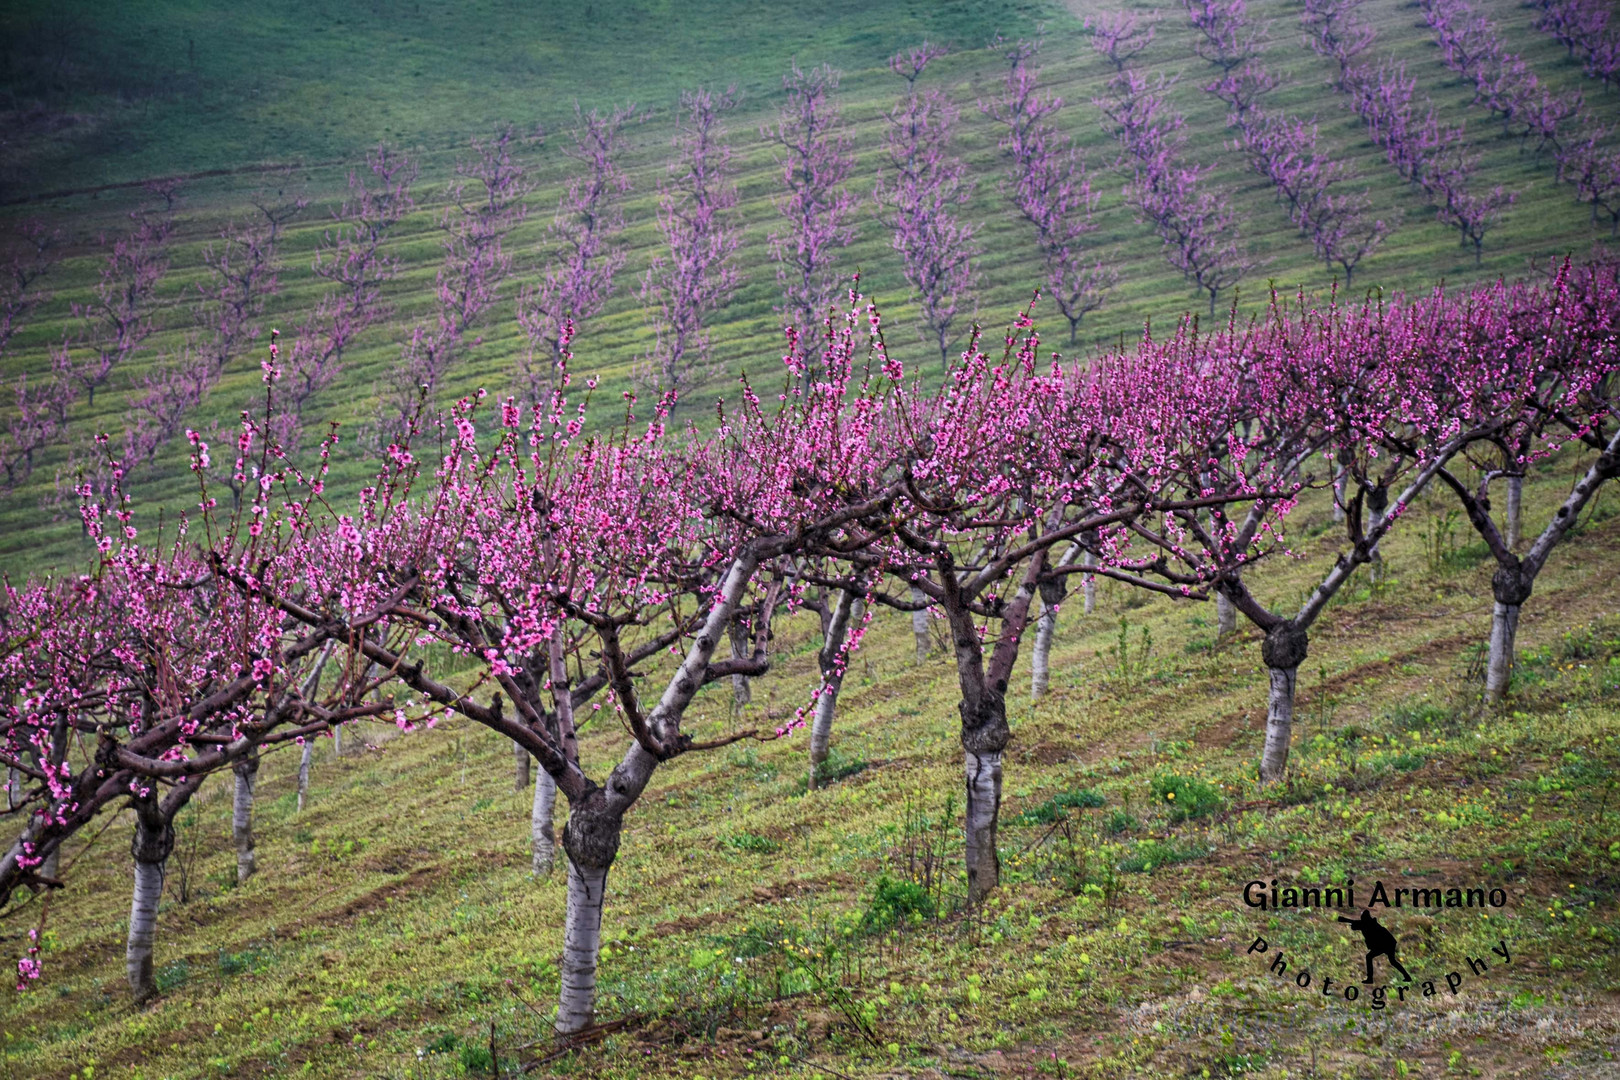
column 582, row 943
column 143, row 929
column 982, row 774
column 541, row 831
column 303, row 772
column 242, row 824
column 1515, row 501
column 919, row 625
column 821, row 726
column 1040, row 671
column 1499, row 668
column 1279, row 724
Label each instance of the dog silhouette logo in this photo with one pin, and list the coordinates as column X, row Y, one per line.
column 1380, row 942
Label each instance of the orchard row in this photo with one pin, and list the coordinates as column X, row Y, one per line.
column 572, row 566
column 921, row 195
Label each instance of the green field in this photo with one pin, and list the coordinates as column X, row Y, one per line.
column 334, row 89
column 394, row 920
column 754, row 928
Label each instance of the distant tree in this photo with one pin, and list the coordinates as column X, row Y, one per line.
column 1121, row 37
column 579, row 262
column 920, row 196
column 1588, row 30
column 1194, row 222
column 697, row 276
column 1282, row 148
column 1047, row 182
column 118, row 321
column 1432, row 156
column 485, row 204
column 351, row 254
column 817, row 210
column 38, row 409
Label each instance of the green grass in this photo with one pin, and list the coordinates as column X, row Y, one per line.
column 278, row 84
column 184, row 86
column 755, row 928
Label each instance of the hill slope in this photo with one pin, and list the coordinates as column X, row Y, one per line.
column 393, row 929
column 347, row 76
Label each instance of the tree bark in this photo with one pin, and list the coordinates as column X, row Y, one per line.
column 1052, row 593
column 1338, row 495
column 1284, row 649
column 741, row 692
column 1499, row 670
column 984, row 737
column 542, row 833
column 303, row 770
column 582, row 943
column 832, row 666
column 541, row 830
column 1515, row 499
column 1088, row 587
column 312, row 687
column 1225, row 616
column 520, row 768
column 154, row 840
column 247, row 772
column 1377, row 508
column 919, row 624
column 591, row 841
column 1511, row 587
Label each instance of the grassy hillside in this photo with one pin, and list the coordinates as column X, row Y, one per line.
column 393, row 929
column 105, row 93
column 314, row 86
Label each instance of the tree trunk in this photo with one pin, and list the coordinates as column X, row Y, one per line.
column 984, row 737
column 1225, row 616
column 542, row 834
column 1284, row 649
column 1338, row 495
column 1088, row 587
column 982, row 773
column 303, row 771
column 337, row 741
column 52, row 865
column 1515, row 497
column 1052, row 593
column 1510, row 586
column 919, row 624
column 582, row 942
column 154, row 840
column 741, row 647
column 312, row 687
column 247, row 772
column 832, row 666
column 1499, row 670
column 591, row 841
column 520, row 770
column 541, row 830
column 1377, row 508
